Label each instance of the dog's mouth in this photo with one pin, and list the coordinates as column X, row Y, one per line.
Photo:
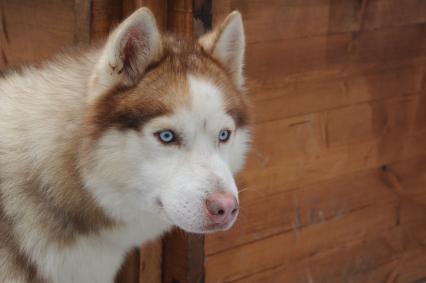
column 215, row 227
column 207, row 227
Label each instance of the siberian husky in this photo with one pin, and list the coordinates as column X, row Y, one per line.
column 104, row 150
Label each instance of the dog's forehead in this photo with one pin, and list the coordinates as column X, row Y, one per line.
column 186, row 78
column 206, row 97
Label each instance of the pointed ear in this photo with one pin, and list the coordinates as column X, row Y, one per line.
column 129, row 50
column 227, row 44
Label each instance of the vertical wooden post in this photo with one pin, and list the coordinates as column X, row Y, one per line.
column 3, row 37
column 150, row 262
column 201, row 17
column 183, row 258
column 131, row 269
column 83, row 21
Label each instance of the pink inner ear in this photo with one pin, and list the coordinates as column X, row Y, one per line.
column 133, row 51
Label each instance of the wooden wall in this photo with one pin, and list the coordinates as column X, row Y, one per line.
column 335, row 187
column 31, row 31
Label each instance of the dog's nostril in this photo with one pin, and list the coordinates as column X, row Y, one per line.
column 159, row 203
column 234, row 211
column 221, row 212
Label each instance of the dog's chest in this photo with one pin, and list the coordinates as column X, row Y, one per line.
column 96, row 258
column 91, row 259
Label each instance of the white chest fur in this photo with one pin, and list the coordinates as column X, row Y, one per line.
column 94, row 258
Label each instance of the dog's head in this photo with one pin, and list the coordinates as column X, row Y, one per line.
column 166, row 128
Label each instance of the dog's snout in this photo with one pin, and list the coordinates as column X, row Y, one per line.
column 222, row 207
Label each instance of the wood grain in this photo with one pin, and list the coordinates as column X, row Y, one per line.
column 307, row 18
column 151, row 262
column 298, row 98
column 183, row 257
column 129, row 271
column 334, row 189
column 286, row 248
column 327, row 144
column 30, row 30
column 315, row 203
column 83, row 21
column 106, row 14
column 179, row 17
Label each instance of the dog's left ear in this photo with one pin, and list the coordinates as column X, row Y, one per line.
column 129, row 50
column 227, row 45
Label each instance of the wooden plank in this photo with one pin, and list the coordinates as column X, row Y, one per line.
column 326, row 144
column 318, row 202
column 106, row 14
column 31, row 32
column 354, row 259
column 4, row 38
column 395, row 255
column 150, row 262
column 329, row 164
column 285, row 248
column 375, row 260
column 277, row 63
column 83, row 21
column 300, row 207
column 183, row 256
column 297, row 98
column 391, row 227
column 202, row 17
column 307, row 18
column 179, row 17
column 129, row 272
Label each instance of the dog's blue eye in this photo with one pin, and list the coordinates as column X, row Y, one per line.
column 224, row 135
column 166, row 136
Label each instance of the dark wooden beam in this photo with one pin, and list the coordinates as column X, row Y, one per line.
column 183, row 258
column 201, row 17
column 83, row 21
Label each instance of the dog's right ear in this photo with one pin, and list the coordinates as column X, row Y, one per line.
column 226, row 43
column 129, row 50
